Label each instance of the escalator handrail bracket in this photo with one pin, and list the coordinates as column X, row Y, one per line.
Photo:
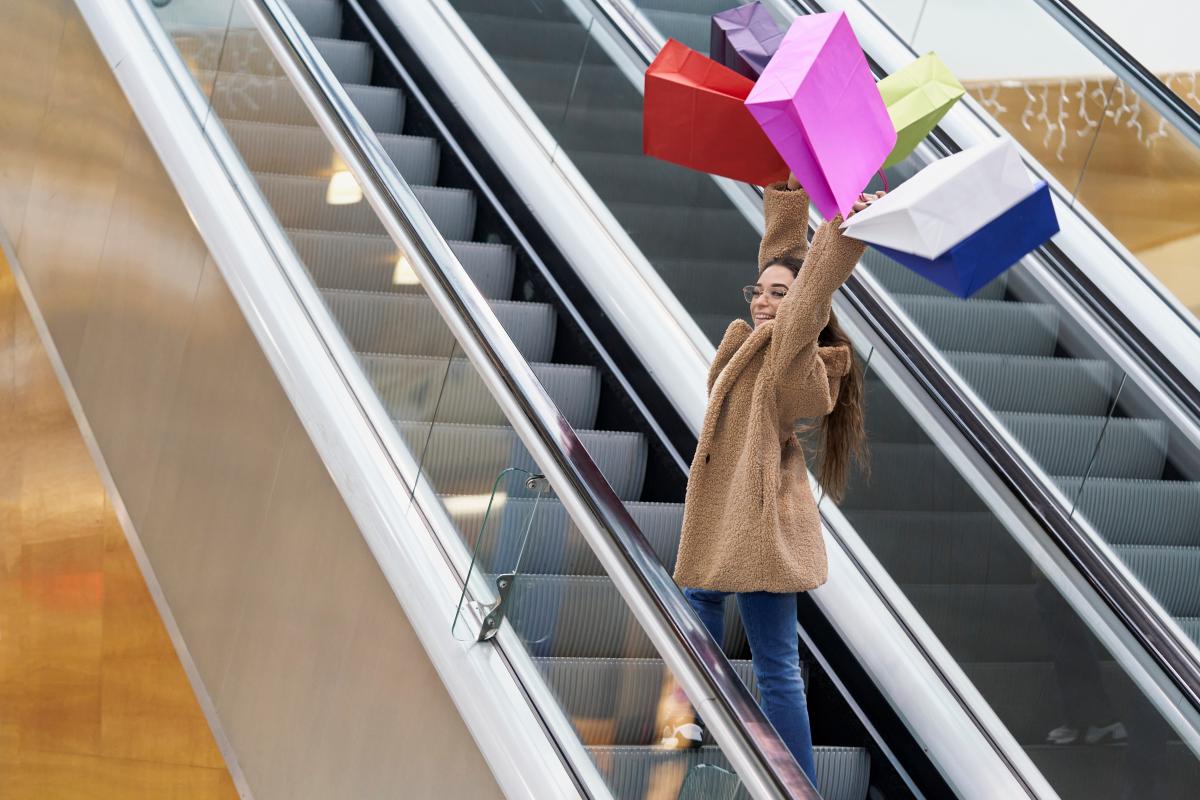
column 735, row 719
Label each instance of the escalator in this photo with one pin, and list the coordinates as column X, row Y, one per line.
column 1099, row 454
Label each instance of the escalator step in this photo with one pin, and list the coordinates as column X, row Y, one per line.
column 1042, row 385
column 616, row 701
column 610, row 130
column 368, row 263
column 565, row 83
column 416, row 388
column 505, row 36
column 985, row 326
column 255, row 98
column 409, row 325
column 305, row 151
column 1064, row 445
column 843, row 772
column 942, row 546
column 687, row 26
column 301, row 203
column 634, row 178
column 901, row 280
column 680, row 232
column 554, row 545
column 550, row 12
column 318, row 17
column 463, row 459
column 910, row 477
column 1169, row 573
column 245, row 52
column 585, row 617
column 1138, row 512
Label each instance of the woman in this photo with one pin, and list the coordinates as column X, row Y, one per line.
column 750, row 523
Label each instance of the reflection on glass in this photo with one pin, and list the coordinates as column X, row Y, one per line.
column 1092, row 131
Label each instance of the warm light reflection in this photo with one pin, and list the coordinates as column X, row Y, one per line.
column 343, row 189
column 402, row 274
column 466, row 504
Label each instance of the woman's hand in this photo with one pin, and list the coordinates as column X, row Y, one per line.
column 864, row 200
column 792, row 182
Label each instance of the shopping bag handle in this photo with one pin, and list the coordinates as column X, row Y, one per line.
column 883, row 177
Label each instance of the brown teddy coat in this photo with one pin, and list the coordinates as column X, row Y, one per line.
column 750, row 521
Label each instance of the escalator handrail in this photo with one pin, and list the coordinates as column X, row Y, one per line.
column 1174, row 656
column 1148, row 86
column 745, row 735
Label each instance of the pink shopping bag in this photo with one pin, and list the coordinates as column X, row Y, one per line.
column 816, row 100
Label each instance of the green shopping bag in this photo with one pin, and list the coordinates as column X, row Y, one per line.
column 917, row 97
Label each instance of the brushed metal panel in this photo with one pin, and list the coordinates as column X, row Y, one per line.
column 30, row 34
column 140, row 318
column 78, row 161
column 223, row 437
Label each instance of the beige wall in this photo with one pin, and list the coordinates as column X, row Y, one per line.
column 317, row 678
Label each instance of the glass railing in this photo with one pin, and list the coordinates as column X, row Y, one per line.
column 1055, row 398
column 1099, row 135
column 592, row 652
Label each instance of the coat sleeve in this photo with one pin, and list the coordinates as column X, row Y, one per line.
column 805, row 311
column 785, row 233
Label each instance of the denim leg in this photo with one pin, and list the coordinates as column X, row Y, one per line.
column 770, row 622
column 710, row 608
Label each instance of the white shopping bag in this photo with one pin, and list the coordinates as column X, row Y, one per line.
column 946, row 202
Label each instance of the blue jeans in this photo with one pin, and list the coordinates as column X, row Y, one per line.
column 770, row 623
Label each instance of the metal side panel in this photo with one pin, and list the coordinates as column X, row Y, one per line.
column 270, row 525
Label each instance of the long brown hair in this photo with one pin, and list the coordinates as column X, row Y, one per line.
column 840, row 435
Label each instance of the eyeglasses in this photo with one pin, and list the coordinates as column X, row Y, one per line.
column 751, row 292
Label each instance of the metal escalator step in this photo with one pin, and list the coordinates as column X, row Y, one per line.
column 257, row 98
column 318, row 17
column 1041, row 385
column 404, row 324
column 615, row 701
column 1169, row 573
column 687, row 26
column 910, row 477
column 1027, row 694
column 554, row 41
column 1066, row 445
column 985, row 326
column 568, row 82
column 466, row 459
column 843, row 772
column 995, row 621
column 612, row 130
column 305, row 151
column 1191, row 626
column 1138, row 512
column 245, row 52
column 887, row 419
column 945, row 547
column 554, row 545
column 301, row 202
column 635, row 178
column 680, row 232
column 369, row 263
column 424, row 388
column 898, row 279
column 552, row 12
column 581, row 616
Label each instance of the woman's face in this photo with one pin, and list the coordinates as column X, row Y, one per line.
column 772, row 287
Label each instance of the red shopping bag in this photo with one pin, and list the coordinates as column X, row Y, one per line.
column 694, row 115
